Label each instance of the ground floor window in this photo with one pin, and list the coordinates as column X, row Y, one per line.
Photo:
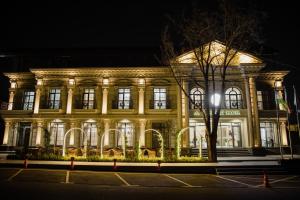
column 229, row 135
column 23, row 135
column 267, row 134
column 57, row 133
column 127, row 129
column 90, row 130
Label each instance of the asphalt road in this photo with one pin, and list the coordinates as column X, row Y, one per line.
column 64, row 184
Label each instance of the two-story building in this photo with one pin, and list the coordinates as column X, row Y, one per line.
column 100, row 104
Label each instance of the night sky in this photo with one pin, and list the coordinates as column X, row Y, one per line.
column 85, row 34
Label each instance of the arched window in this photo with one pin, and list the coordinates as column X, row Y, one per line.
column 90, row 129
column 57, row 132
column 197, row 96
column 233, row 98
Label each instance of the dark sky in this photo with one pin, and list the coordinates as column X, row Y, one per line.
column 133, row 27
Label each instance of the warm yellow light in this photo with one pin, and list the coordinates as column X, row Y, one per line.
column 105, row 81
column 39, row 82
column 245, row 59
column 13, row 84
column 71, row 81
column 278, row 84
column 141, row 81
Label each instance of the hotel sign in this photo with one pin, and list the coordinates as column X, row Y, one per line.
column 222, row 113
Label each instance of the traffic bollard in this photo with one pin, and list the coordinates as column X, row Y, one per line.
column 115, row 164
column 25, row 162
column 72, row 163
column 158, row 165
column 266, row 180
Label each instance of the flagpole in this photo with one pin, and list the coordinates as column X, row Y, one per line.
column 296, row 104
column 288, row 121
column 277, row 113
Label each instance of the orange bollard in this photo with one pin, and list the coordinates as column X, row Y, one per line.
column 266, row 180
column 25, row 162
column 158, row 165
column 115, row 164
column 72, row 163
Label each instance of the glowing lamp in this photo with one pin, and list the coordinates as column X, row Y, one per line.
column 71, row 81
column 141, row 81
column 13, row 84
column 215, row 99
column 278, row 84
column 105, row 81
column 39, row 82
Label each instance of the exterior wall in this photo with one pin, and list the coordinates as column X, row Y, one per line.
column 177, row 114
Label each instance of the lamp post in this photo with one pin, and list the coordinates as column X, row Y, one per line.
column 277, row 87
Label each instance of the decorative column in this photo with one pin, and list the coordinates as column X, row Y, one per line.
column 72, row 134
column 11, row 99
column 142, row 132
column 71, row 85
column 284, row 140
column 105, row 85
column 185, row 113
column 6, row 132
column 37, row 98
column 179, row 109
column 39, row 133
column 256, row 129
column 141, row 96
column 106, row 132
column 249, row 111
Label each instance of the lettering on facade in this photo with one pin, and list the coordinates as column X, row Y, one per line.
column 222, row 113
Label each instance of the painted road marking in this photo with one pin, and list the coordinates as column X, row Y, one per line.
column 279, row 180
column 123, row 180
column 67, row 178
column 235, row 181
column 180, row 181
column 14, row 175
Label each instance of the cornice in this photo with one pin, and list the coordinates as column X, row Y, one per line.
column 125, row 72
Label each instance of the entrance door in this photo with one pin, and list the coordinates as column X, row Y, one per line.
column 23, row 136
column 236, row 129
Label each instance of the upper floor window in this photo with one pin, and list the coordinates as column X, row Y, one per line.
column 54, row 98
column 90, row 129
column 88, row 99
column 233, row 98
column 124, row 98
column 197, row 96
column 160, row 98
column 57, row 133
column 260, row 104
column 28, row 100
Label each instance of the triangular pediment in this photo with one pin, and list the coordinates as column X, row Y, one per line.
column 216, row 51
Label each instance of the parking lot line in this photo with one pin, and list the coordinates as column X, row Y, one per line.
column 123, row 180
column 180, row 181
column 279, row 180
column 235, row 181
column 14, row 175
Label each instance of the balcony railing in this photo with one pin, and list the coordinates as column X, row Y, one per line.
column 86, row 104
column 51, row 104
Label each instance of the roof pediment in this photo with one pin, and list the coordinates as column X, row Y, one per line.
column 215, row 50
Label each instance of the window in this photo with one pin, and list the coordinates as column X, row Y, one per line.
column 54, row 99
column 125, row 128
column 233, row 98
column 260, row 100
column 267, row 134
column 91, row 131
column 160, row 98
column 57, row 133
column 124, row 98
column 197, row 96
column 28, row 100
column 88, row 99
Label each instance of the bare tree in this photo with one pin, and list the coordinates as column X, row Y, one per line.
column 207, row 44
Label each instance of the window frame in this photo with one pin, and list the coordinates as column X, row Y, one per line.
column 88, row 103
column 123, row 102
column 160, row 103
column 27, row 104
column 54, row 103
column 201, row 94
column 237, row 95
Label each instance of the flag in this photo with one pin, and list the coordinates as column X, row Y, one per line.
column 296, row 100
column 284, row 104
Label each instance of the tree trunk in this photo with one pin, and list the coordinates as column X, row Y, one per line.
column 212, row 147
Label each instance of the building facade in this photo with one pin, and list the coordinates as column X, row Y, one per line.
column 117, row 105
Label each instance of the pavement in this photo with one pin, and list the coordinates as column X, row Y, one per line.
column 17, row 183
column 253, row 164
